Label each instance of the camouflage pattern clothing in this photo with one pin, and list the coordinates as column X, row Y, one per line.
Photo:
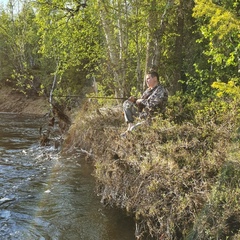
column 154, row 101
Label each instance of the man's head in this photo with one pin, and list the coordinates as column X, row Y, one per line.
column 152, row 79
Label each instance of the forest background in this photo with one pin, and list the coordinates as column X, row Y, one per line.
column 57, row 48
column 192, row 44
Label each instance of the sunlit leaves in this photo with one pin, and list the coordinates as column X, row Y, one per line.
column 229, row 88
column 221, row 27
column 20, row 44
column 67, row 33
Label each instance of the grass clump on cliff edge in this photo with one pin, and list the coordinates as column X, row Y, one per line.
column 178, row 178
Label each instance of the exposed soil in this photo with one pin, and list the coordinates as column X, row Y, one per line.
column 10, row 101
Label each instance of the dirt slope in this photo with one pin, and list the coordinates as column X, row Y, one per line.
column 11, row 101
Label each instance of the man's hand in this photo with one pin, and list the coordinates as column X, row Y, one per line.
column 132, row 99
column 140, row 105
column 139, row 101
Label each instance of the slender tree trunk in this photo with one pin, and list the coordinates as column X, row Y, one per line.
column 156, row 24
column 152, row 26
column 178, row 60
column 54, row 83
column 115, row 46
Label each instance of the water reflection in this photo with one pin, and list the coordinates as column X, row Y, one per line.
column 45, row 196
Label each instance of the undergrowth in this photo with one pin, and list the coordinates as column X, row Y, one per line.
column 178, row 176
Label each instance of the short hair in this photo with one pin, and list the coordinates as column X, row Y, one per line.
column 154, row 74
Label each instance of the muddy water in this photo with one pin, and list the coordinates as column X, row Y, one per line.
column 46, row 196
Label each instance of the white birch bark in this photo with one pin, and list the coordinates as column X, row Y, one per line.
column 115, row 45
column 156, row 25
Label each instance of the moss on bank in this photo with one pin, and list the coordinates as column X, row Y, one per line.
column 178, row 177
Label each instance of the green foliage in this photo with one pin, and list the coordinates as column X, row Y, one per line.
column 24, row 82
column 198, row 84
column 181, row 107
column 134, row 92
column 101, row 98
column 66, row 35
column 219, row 26
column 21, row 60
column 229, row 88
column 229, row 95
column 5, row 39
column 110, row 40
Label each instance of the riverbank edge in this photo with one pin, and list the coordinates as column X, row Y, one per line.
column 171, row 178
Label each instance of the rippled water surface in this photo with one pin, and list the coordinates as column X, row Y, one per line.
column 46, row 196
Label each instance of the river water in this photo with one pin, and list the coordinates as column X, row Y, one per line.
column 47, row 196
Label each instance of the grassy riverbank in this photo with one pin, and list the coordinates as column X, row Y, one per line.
column 178, row 178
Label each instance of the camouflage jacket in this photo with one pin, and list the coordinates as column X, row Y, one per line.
column 155, row 99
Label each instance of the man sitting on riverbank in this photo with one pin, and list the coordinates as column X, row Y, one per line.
column 152, row 101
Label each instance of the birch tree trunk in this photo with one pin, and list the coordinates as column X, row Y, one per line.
column 54, row 83
column 178, row 59
column 156, row 25
column 150, row 51
column 115, row 40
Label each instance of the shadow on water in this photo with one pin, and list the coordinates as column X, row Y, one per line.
column 46, row 196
